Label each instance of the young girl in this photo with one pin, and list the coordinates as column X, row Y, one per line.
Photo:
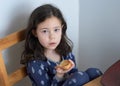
column 46, row 45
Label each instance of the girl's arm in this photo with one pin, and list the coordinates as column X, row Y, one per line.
column 61, row 73
column 38, row 73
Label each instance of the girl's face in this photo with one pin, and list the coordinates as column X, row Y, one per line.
column 49, row 33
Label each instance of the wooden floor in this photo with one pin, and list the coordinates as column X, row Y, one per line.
column 95, row 82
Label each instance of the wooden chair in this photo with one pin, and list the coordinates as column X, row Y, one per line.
column 19, row 74
column 6, row 42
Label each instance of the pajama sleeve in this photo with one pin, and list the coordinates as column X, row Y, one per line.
column 37, row 71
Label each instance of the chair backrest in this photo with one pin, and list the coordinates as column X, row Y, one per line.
column 6, row 42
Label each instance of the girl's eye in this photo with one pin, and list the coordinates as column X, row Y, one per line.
column 56, row 30
column 44, row 31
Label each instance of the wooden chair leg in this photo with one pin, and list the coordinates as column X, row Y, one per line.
column 3, row 73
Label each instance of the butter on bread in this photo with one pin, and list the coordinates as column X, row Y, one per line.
column 65, row 64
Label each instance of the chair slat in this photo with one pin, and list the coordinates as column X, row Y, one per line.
column 17, row 75
column 12, row 39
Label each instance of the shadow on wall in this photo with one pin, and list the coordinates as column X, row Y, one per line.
column 12, row 55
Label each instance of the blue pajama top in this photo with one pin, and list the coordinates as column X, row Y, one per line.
column 42, row 73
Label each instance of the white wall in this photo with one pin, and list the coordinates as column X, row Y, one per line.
column 99, row 36
column 14, row 15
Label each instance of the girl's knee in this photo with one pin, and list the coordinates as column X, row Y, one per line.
column 93, row 73
column 82, row 77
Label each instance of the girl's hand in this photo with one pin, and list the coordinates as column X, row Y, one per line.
column 61, row 71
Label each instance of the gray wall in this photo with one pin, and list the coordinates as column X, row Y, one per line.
column 99, row 34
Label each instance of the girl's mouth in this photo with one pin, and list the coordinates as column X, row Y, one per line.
column 52, row 43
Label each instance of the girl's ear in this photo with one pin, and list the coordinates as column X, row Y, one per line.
column 34, row 33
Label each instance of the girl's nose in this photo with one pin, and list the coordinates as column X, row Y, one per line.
column 52, row 36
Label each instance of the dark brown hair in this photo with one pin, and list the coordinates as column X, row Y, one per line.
column 33, row 49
